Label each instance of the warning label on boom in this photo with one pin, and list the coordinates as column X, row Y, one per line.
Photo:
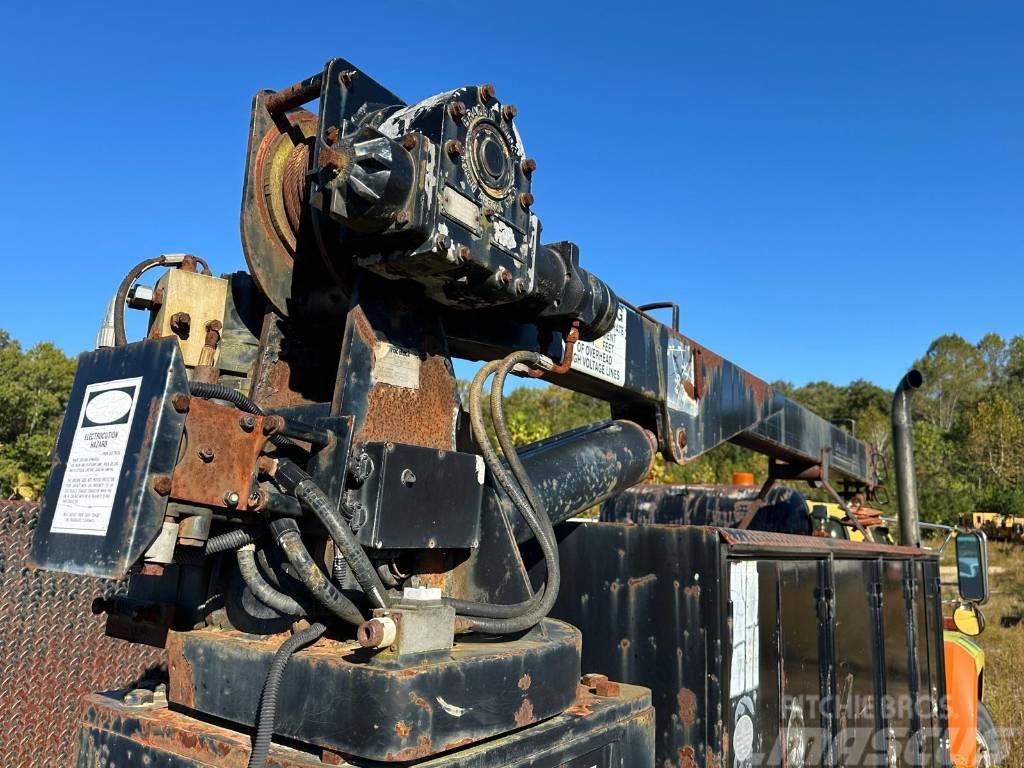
column 97, row 454
column 604, row 358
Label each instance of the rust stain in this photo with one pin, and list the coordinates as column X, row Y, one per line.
column 181, row 689
column 687, row 758
column 524, row 682
column 692, row 591
column 624, row 643
column 687, row 701
column 638, row 581
column 424, row 416
column 403, row 729
column 423, row 748
column 525, row 714
column 420, row 702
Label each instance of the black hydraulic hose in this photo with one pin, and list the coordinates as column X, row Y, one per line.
column 267, row 713
column 261, row 588
column 496, row 619
column 231, row 540
column 302, row 486
column 121, row 297
column 286, row 531
column 299, row 483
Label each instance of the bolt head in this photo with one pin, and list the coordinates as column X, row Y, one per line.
column 529, row 165
column 161, row 484
column 410, row 141
column 454, row 148
column 526, row 200
column 442, row 241
column 180, row 402
column 485, row 92
column 503, row 276
column 247, row 422
column 465, row 254
column 509, row 111
column 206, row 454
column 331, row 134
column 457, row 110
column 231, row 498
column 520, row 287
column 348, row 77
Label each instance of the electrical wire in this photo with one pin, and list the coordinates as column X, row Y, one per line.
column 267, row 712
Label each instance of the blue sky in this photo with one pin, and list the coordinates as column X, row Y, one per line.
column 823, row 187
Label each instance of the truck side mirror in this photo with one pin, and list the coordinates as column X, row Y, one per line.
column 972, row 566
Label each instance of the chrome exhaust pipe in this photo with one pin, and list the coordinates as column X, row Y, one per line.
column 903, row 452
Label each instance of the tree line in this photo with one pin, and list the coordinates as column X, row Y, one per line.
column 968, row 423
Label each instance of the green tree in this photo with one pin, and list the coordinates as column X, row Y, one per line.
column 954, row 374
column 34, row 387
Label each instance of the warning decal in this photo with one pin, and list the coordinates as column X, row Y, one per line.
column 743, row 594
column 97, row 454
column 604, row 358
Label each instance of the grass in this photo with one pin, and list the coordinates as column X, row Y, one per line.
column 1004, row 647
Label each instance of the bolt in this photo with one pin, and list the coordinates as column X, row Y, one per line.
column 485, row 92
column 465, row 254
column 161, row 484
column 408, row 477
column 607, row 688
column 247, row 422
column 526, row 200
column 410, row 141
column 509, row 111
column 529, row 165
column 348, row 77
column 591, row 679
column 272, row 424
column 401, row 218
column 180, row 323
column 180, row 402
column 206, row 454
column 231, row 498
column 520, row 287
column 681, row 439
column 454, row 148
column 504, row 277
column 457, row 110
column 331, row 134
column 489, row 213
column 254, row 499
column 442, row 242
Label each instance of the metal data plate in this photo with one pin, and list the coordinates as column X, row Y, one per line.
column 101, row 512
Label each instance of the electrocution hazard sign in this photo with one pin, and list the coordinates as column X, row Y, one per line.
column 97, row 454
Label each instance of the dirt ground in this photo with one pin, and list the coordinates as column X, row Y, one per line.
column 1004, row 648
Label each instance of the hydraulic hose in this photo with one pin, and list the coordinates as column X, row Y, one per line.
column 299, row 483
column 302, row 486
column 286, row 531
column 495, row 619
column 267, row 713
column 260, row 588
column 121, row 297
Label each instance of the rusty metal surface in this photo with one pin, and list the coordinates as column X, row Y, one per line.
column 610, row 725
column 221, row 448
column 52, row 649
column 439, row 702
column 780, row 543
